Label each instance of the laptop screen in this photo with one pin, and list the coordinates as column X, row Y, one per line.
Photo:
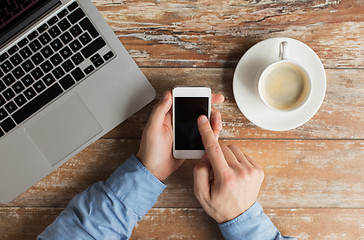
column 15, row 15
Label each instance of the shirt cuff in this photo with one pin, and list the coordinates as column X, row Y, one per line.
column 250, row 224
column 135, row 186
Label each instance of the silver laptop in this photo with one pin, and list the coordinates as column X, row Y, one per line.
column 65, row 80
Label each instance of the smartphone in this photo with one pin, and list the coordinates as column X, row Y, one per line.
column 188, row 104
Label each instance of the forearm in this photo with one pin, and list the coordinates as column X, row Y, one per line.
column 253, row 224
column 108, row 210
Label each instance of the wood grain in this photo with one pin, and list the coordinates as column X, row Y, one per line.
column 341, row 115
column 215, row 34
column 314, row 182
column 298, row 174
column 193, row 223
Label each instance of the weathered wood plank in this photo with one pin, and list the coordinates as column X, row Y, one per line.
column 298, row 174
column 193, row 223
column 215, row 34
column 340, row 116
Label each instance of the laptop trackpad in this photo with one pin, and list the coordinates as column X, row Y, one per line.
column 64, row 129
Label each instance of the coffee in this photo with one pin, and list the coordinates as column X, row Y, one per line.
column 285, row 85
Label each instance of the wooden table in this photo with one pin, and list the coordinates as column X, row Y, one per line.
column 314, row 177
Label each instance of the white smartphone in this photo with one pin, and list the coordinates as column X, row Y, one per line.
column 188, row 104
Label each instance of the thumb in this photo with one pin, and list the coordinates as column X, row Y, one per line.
column 161, row 109
column 201, row 186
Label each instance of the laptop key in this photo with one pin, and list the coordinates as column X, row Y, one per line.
column 8, row 94
column 35, row 45
column 85, row 38
column 62, row 13
column 29, row 93
column 13, row 50
column 18, row 72
column 48, row 79
column 3, row 114
column 46, row 66
column 33, row 35
column 37, row 58
column 23, row 42
column 77, row 59
column 66, row 52
column 1, row 133
column 20, row 100
column 64, row 24
column 8, row 79
column 56, row 59
column 45, row 38
column 37, row 73
column 93, row 47
column 52, row 21
column 3, row 57
column 27, row 80
column 39, row 86
column 75, row 45
column 37, row 103
column 108, row 55
column 98, row 62
column 56, row 45
column 89, row 69
column 6, row 66
column 42, row 28
column 58, row 72
column 67, row 82
column 68, row 65
column 46, row 52
column 95, row 57
column 77, row 74
column 25, row 52
column 54, row 31
column 75, row 30
column 76, row 16
column 18, row 87
column 72, row 6
column 7, row 125
column 87, row 25
column 28, row 65
column 16, row 60
column 66, row 37
column 11, row 107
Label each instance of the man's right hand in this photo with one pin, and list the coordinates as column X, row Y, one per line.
column 226, row 181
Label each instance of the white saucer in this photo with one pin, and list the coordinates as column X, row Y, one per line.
column 246, row 91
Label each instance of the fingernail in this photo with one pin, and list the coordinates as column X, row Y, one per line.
column 203, row 119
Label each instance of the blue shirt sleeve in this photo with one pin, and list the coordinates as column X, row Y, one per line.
column 252, row 224
column 108, row 210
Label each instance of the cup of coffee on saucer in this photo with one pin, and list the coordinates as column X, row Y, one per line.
column 284, row 85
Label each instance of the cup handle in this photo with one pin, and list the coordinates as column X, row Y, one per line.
column 283, row 50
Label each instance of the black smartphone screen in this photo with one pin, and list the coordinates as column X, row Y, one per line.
column 187, row 110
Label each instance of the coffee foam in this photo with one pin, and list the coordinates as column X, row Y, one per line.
column 285, row 86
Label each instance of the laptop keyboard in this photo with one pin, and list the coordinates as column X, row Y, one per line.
column 50, row 60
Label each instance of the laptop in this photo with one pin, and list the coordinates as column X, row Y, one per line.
column 65, row 81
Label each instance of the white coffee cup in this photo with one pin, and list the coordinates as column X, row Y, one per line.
column 284, row 85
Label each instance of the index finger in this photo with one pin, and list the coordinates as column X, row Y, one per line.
column 211, row 144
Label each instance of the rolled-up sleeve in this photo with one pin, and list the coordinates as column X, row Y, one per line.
column 110, row 209
column 251, row 225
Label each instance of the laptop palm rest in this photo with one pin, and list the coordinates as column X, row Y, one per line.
column 63, row 129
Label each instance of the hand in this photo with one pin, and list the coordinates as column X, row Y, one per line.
column 155, row 150
column 226, row 181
